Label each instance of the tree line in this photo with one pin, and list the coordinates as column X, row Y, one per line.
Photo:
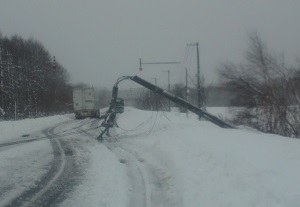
column 32, row 83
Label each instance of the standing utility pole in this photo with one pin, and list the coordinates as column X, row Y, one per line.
column 156, row 100
column 169, row 88
column 198, row 75
column 1, row 81
column 186, row 89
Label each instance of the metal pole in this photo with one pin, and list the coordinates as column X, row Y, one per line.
column 1, row 81
column 198, row 79
column 169, row 88
column 156, row 104
column 141, row 64
column 149, row 102
column 186, row 89
column 198, row 76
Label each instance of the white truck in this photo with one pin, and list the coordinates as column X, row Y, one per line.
column 85, row 104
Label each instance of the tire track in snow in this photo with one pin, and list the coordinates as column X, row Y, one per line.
column 140, row 190
column 151, row 182
column 58, row 181
column 23, row 140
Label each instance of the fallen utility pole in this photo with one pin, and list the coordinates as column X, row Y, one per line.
column 181, row 102
column 110, row 116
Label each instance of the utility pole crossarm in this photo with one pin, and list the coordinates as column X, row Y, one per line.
column 156, row 63
column 161, row 63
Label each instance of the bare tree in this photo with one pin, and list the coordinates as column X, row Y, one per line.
column 264, row 86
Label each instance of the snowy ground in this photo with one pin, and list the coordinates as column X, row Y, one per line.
column 158, row 159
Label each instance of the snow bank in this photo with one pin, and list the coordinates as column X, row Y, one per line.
column 21, row 167
column 218, row 167
column 202, row 164
column 14, row 129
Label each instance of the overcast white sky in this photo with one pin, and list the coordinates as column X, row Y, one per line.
column 98, row 41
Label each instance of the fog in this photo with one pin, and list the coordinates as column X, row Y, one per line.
column 99, row 41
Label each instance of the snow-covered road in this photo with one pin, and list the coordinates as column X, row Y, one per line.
column 62, row 168
column 152, row 159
